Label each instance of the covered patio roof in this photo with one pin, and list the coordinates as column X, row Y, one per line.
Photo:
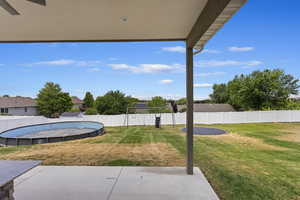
column 115, row 20
column 192, row 21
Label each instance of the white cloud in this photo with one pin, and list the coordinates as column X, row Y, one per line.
column 112, row 59
column 202, row 85
column 165, row 96
column 210, row 74
column 221, row 63
column 166, row 81
column 212, row 51
column 83, row 63
column 148, row 68
column 177, row 49
column 254, row 63
column 88, row 63
column 55, row 62
column 240, row 49
column 95, row 69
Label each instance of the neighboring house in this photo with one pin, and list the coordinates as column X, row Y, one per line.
column 77, row 103
column 18, row 106
column 209, row 107
column 142, row 107
column 139, row 108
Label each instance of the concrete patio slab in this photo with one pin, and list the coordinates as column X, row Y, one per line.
column 112, row 183
column 167, row 183
column 66, row 183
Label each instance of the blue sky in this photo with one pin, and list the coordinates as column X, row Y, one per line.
column 264, row 34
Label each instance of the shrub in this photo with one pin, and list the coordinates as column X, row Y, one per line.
column 4, row 114
column 112, row 103
column 91, row 111
column 75, row 110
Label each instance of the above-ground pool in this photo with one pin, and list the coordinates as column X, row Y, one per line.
column 51, row 132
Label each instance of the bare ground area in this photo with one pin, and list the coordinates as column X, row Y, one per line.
column 291, row 134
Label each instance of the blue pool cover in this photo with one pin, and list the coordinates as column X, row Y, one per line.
column 206, row 131
column 22, row 131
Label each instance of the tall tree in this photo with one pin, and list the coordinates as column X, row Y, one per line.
column 88, row 100
column 261, row 90
column 158, row 105
column 52, row 101
column 131, row 101
column 235, row 97
column 113, row 102
column 269, row 89
column 219, row 94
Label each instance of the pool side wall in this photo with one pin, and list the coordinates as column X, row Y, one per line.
column 43, row 140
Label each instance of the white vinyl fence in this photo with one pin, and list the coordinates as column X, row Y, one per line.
column 166, row 118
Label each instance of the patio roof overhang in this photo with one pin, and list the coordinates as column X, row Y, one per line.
column 116, row 20
column 192, row 21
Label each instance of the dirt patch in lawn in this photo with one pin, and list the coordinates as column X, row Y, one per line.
column 247, row 141
column 158, row 154
column 291, row 134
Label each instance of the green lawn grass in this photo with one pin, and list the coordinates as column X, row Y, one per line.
column 252, row 162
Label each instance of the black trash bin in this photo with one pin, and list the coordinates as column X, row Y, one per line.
column 157, row 122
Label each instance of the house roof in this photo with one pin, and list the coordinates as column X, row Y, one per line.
column 16, row 102
column 115, row 20
column 76, row 100
column 200, row 107
column 213, row 108
column 141, row 105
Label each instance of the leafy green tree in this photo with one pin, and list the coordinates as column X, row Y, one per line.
column 158, row 105
column 234, row 93
column 260, row 90
column 219, row 94
column 293, row 104
column 113, row 102
column 88, row 100
column 132, row 101
column 269, row 89
column 181, row 101
column 52, row 101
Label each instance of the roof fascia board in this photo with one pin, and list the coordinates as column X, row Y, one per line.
column 210, row 13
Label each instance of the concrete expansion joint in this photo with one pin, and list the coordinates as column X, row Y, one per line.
column 115, row 183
